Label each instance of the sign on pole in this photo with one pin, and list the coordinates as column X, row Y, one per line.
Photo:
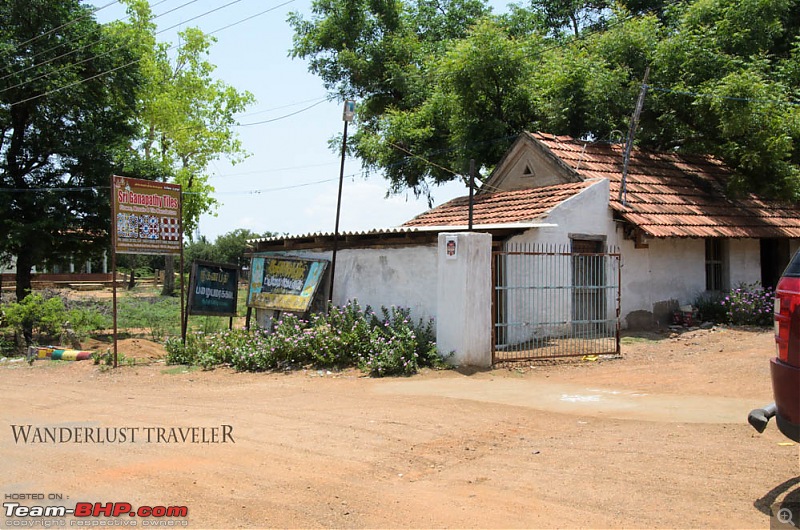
column 213, row 289
column 147, row 216
column 284, row 284
column 145, row 219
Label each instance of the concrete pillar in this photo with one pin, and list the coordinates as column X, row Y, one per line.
column 105, row 262
column 464, row 291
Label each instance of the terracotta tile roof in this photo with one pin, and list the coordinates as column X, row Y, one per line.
column 673, row 195
column 501, row 207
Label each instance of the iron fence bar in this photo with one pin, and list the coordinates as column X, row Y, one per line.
column 544, row 279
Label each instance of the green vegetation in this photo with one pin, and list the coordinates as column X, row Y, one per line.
column 174, row 370
column 82, row 101
column 380, row 345
column 441, row 82
column 750, row 304
column 48, row 317
column 710, row 308
column 632, row 339
column 60, row 124
column 746, row 305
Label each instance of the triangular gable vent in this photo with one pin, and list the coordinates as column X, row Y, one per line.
column 528, row 172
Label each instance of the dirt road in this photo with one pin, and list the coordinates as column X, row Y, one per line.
column 657, row 439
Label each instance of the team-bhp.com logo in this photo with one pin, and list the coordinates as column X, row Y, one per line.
column 87, row 513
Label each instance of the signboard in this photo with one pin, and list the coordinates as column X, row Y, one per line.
column 213, row 289
column 147, row 216
column 451, row 246
column 283, row 283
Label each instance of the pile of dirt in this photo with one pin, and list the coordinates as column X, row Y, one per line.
column 131, row 348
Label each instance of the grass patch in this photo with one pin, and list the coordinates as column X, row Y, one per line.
column 638, row 339
column 180, row 369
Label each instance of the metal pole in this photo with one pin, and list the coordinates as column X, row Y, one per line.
column 184, row 313
column 114, row 287
column 349, row 107
column 114, row 268
column 471, row 190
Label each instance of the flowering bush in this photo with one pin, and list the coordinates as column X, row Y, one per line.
column 750, row 304
column 390, row 344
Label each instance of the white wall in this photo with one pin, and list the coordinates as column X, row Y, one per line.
column 745, row 261
column 464, row 322
column 669, row 271
column 538, row 312
column 403, row 277
column 584, row 213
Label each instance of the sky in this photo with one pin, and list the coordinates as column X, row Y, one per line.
column 289, row 182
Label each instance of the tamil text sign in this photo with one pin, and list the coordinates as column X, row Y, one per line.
column 213, row 289
column 283, row 283
column 147, row 216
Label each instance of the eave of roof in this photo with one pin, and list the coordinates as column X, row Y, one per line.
column 501, row 208
column 399, row 236
column 676, row 195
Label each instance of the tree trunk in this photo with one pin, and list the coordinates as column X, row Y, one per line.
column 169, row 276
column 132, row 280
column 24, row 288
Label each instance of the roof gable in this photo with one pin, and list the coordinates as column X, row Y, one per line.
column 528, row 164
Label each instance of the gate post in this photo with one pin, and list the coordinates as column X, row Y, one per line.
column 464, row 298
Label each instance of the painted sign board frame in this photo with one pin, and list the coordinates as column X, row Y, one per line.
column 284, row 283
column 146, row 217
column 213, row 289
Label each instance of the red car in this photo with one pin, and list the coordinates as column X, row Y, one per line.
column 785, row 368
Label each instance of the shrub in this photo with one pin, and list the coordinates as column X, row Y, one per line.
column 750, row 304
column 85, row 321
column 45, row 316
column 346, row 336
column 710, row 308
column 397, row 346
column 7, row 347
column 180, row 353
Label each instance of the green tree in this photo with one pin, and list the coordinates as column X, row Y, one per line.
column 200, row 249
column 67, row 100
column 186, row 118
column 232, row 246
column 724, row 78
column 570, row 15
column 380, row 53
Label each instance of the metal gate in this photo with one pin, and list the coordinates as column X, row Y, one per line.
column 550, row 302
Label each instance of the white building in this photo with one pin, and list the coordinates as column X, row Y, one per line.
column 670, row 223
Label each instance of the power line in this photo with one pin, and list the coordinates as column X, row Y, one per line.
column 130, row 63
column 48, row 74
column 264, row 111
column 60, row 44
column 64, row 25
column 276, row 170
column 284, row 116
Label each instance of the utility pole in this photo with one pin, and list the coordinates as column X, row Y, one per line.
column 347, row 117
column 623, row 192
column 471, row 191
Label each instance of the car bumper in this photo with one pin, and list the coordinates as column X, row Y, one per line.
column 786, row 389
